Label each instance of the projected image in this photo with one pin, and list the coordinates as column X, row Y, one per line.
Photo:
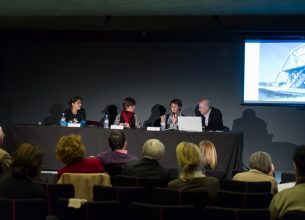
column 274, row 72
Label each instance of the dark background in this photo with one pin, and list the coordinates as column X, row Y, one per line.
column 42, row 69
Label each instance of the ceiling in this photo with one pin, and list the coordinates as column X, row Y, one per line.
column 150, row 7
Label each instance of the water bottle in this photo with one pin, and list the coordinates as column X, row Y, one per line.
column 106, row 122
column 63, row 120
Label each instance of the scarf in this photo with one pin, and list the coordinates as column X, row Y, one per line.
column 127, row 117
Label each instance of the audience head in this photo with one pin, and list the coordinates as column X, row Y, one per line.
column 70, row 149
column 204, row 106
column 129, row 104
column 153, row 149
column 117, row 140
column 189, row 158
column 1, row 136
column 27, row 161
column 299, row 161
column 209, row 154
column 176, row 105
column 76, row 102
column 261, row 161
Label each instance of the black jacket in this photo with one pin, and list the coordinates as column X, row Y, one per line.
column 215, row 120
column 145, row 168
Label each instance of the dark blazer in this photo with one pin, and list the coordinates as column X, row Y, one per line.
column 215, row 120
column 19, row 187
column 146, row 168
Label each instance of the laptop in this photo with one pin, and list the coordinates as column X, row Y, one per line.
column 190, row 123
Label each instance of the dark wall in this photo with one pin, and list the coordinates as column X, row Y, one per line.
column 40, row 75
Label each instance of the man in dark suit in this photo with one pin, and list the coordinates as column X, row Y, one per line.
column 148, row 166
column 211, row 117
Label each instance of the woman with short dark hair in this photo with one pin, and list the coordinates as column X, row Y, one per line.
column 75, row 113
column 128, row 117
column 170, row 121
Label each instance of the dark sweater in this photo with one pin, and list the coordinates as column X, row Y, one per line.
column 209, row 184
column 17, row 187
column 146, row 168
column 80, row 115
column 114, row 157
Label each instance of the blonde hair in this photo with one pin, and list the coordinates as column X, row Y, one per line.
column 189, row 158
column 261, row 161
column 1, row 133
column 209, row 154
column 154, row 149
column 70, row 149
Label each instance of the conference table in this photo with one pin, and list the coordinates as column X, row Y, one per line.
column 229, row 145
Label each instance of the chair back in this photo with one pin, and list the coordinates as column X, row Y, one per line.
column 89, row 211
column 212, row 212
column 247, row 187
column 244, row 200
column 113, row 170
column 140, row 211
column 83, row 183
column 56, row 191
column 295, row 215
column 125, row 195
column 147, row 182
column 23, row 209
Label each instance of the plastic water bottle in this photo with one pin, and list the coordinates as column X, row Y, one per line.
column 106, row 122
column 63, row 120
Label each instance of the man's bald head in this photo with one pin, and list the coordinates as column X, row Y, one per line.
column 204, row 106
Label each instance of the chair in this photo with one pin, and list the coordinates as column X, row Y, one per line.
column 83, row 183
column 89, row 211
column 147, row 182
column 66, row 213
column 236, row 171
column 219, row 213
column 104, row 209
column 140, row 211
column 125, row 195
column 295, row 215
column 197, row 198
column 244, row 200
column 23, row 209
column 248, row 187
column 113, row 170
column 56, row 191
column 287, row 177
column 219, row 174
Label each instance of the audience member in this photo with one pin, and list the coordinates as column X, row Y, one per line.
column 148, row 166
column 209, row 154
column 291, row 199
column 26, row 166
column 118, row 154
column 261, row 169
column 5, row 157
column 191, row 177
column 70, row 150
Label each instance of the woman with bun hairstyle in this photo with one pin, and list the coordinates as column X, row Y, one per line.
column 191, row 176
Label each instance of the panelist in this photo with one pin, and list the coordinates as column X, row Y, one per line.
column 128, row 117
column 211, row 116
column 171, row 120
column 75, row 113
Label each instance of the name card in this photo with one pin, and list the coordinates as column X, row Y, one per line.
column 117, row 127
column 153, row 128
column 74, row 125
